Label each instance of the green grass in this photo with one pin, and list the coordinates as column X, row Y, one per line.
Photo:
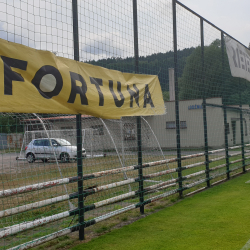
column 218, row 218
column 43, row 172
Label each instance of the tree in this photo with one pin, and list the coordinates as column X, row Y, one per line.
column 10, row 124
column 154, row 64
column 214, row 81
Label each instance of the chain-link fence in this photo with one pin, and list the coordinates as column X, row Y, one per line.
column 61, row 173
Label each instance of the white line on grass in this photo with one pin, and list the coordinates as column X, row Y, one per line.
column 247, row 246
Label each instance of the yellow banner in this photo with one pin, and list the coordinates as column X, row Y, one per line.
column 35, row 81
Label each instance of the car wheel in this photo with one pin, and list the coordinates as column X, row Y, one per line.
column 64, row 157
column 44, row 160
column 30, row 158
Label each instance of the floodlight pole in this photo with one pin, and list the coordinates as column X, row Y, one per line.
column 138, row 118
column 78, row 128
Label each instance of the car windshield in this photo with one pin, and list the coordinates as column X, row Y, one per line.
column 63, row 142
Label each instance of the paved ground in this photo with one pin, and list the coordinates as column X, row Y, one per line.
column 9, row 164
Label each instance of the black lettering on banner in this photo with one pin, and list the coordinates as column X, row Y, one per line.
column 98, row 82
column 245, row 61
column 234, row 57
column 133, row 94
column 9, row 75
column 238, row 57
column 46, row 70
column 117, row 102
column 147, row 98
column 242, row 60
column 248, row 63
column 81, row 90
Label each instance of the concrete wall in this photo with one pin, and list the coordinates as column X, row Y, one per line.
column 234, row 116
column 14, row 140
column 193, row 135
column 11, row 141
column 3, row 141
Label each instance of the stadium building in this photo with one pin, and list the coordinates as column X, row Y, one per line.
column 192, row 128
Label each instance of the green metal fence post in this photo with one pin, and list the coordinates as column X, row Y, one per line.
column 242, row 132
column 204, row 105
column 138, row 119
column 78, row 129
column 80, row 174
column 226, row 141
column 177, row 119
column 224, row 108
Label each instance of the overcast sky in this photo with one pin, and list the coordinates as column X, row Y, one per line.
column 232, row 16
column 106, row 26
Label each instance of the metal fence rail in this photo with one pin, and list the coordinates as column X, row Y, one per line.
column 119, row 165
column 163, row 185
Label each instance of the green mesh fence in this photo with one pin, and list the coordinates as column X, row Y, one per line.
column 61, row 174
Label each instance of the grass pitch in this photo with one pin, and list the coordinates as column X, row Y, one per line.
column 218, row 218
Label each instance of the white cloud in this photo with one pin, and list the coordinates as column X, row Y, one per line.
column 106, row 27
column 232, row 16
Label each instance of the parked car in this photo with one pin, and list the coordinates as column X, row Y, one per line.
column 45, row 149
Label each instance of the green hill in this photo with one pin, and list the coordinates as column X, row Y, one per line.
column 155, row 64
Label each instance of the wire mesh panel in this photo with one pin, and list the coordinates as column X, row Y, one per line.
column 45, row 25
column 190, row 100
column 30, row 194
column 61, row 173
column 106, row 34
column 155, row 40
